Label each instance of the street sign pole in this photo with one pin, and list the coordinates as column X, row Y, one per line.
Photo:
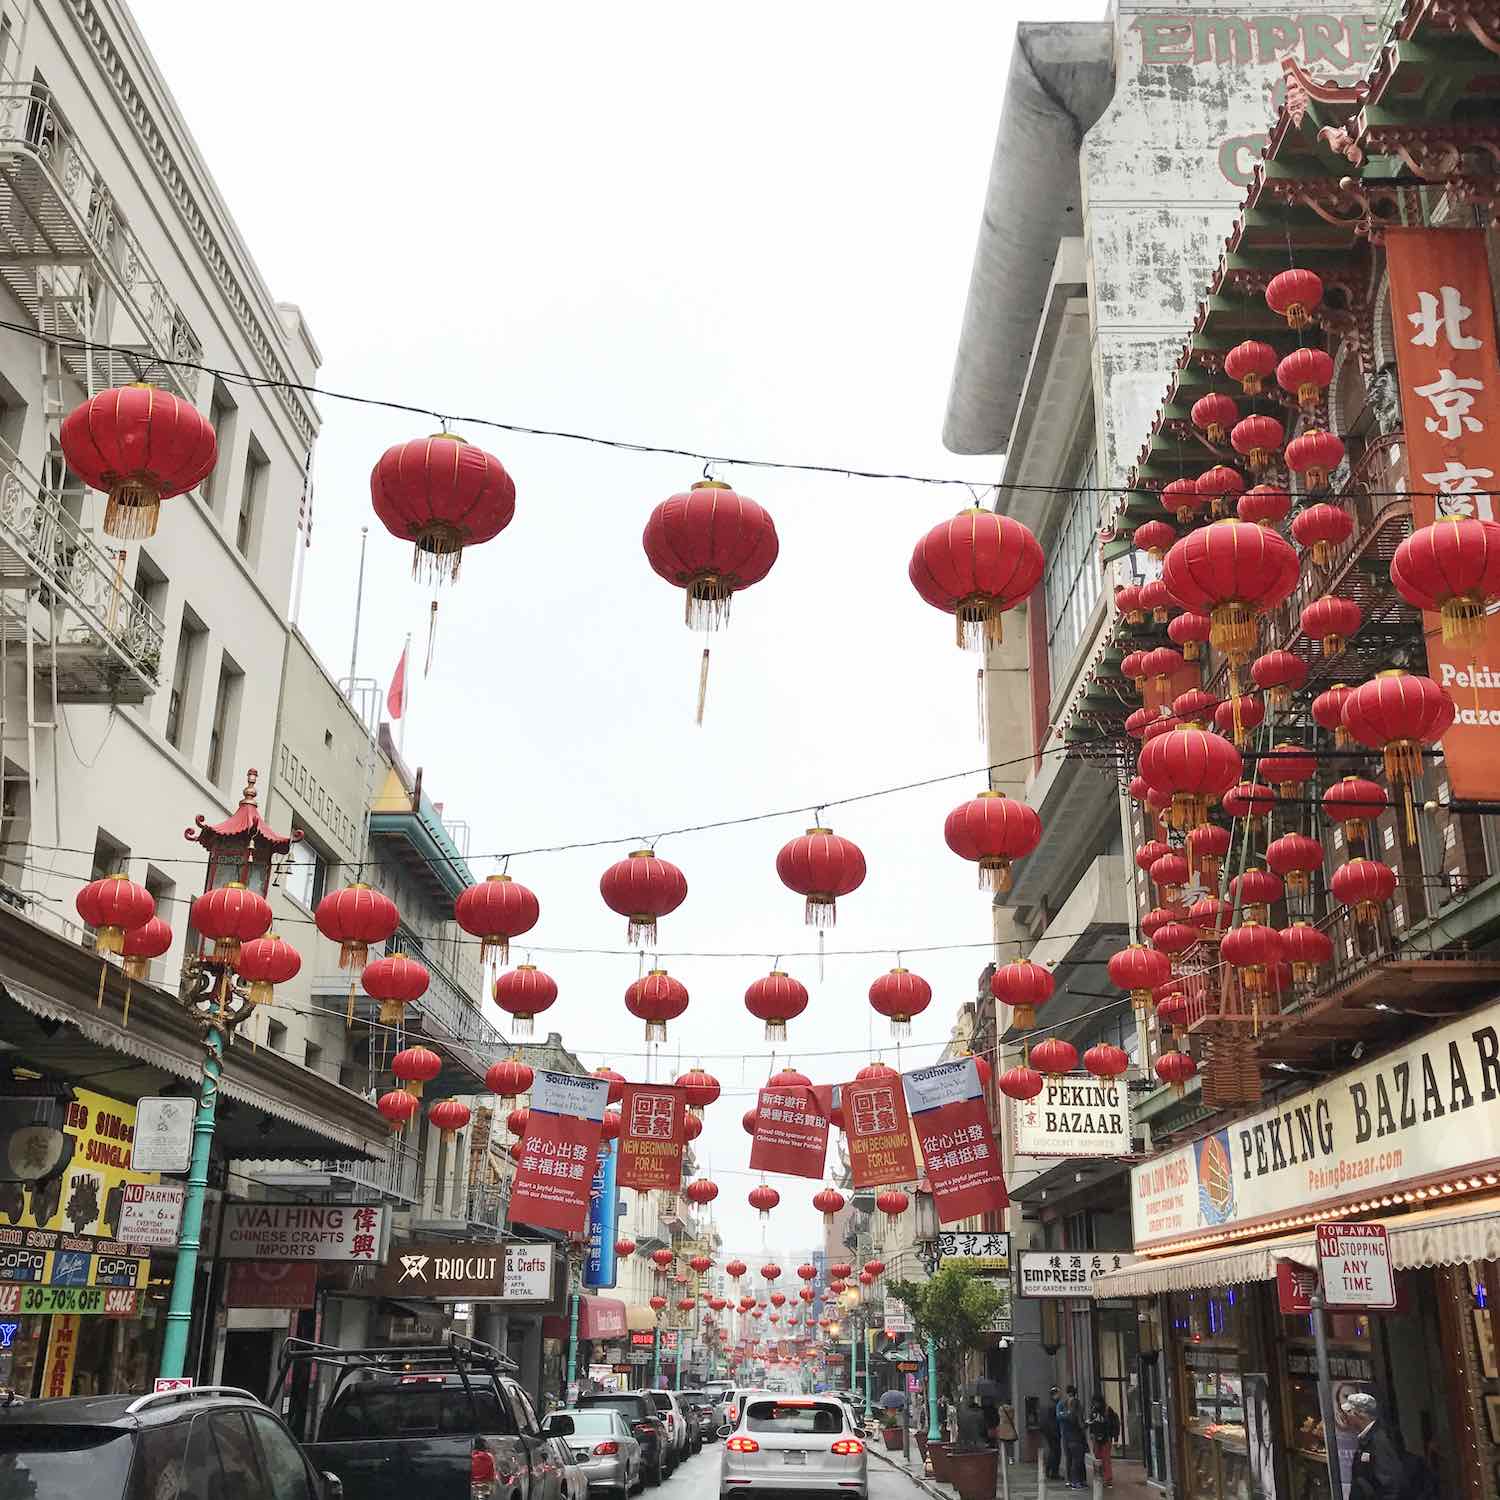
column 1325, row 1395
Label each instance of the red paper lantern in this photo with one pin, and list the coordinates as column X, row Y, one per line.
column 1264, row 504
column 395, row 981
column 442, row 494
column 656, row 999
column 1159, row 917
column 1355, row 802
column 899, row 996
column 495, row 911
column 1321, row 528
column 1256, row 438
column 892, row 1202
column 1305, row 374
column 140, row 445
column 1279, row 674
column 624, row 1246
column 1210, row 917
column 1328, row 711
column 1249, row 799
column 1025, row 987
column 263, row 964
column 828, row 1201
column 1138, row 722
column 735, row 1268
column 1182, row 499
column 702, row 1088
column 700, row 1191
column 517, row 1120
column 114, row 906
column 1021, row 1083
column 1139, row 970
column 1252, row 950
column 1133, row 666
column 1398, row 714
column 354, row 918
column 775, row 1000
column 1233, row 573
column 992, row 830
column 1331, row 621
column 1105, row 1060
column 840, row 1269
column 1176, row 1068
column 1287, row 767
column 1213, row 415
column 710, row 542
column 524, row 993
column 874, row 1268
column 1207, row 845
column 1128, row 603
column 1294, row 294
column 1156, row 599
column 1173, row 938
column 1250, row 363
column 1238, row 716
column 1194, row 706
column 788, row 1078
column 509, row 1077
column 1308, row 948
column 1294, row 857
column 1169, row 874
column 748, row 1121
column 692, row 1127
column 1172, row 1010
column 1256, row 891
column 415, row 1066
column 450, row 1116
column 398, row 1106
column 142, row 944
column 763, row 1199
column 1218, row 487
column 230, row 915
column 1452, row 567
column 658, row 1303
column 1365, row 885
column 1194, row 767
column 1054, row 1057
column 662, row 1258
column 1314, row 454
column 1161, row 665
column 975, row 567
column 1190, row 630
column 1154, row 537
column 1149, row 852
column 642, row 888
column 821, row 866
column 616, row 1082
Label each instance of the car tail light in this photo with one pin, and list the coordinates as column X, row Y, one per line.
column 602, row 1450
column 742, row 1445
column 643, row 1428
column 848, row 1447
column 481, row 1467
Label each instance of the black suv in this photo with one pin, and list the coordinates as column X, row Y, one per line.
column 646, row 1423
column 204, row 1443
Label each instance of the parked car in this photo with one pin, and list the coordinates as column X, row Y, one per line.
column 203, row 1443
column 699, row 1408
column 734, row 1400
column 677, row 1427
column 646, row 1423
column 601, row 1445
column 793, row 1443
column 575, row 1482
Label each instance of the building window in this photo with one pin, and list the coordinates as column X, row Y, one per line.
column 275, row 1035
column 312, row 1057
column 151, row 585
column 222, row 412
column 226, row 724
column 1074, row 579
column 187, row 680
column 306, row 874
column 252, row 498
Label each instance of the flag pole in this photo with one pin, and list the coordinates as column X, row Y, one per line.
column 405, row 694
column 359, row 599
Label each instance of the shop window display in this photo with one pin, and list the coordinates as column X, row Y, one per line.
column 1351, row 1364
column 1210, row 1334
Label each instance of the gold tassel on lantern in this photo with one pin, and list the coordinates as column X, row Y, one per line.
column 994, row 873
column 1233, row 630
column 978, row 622
column 1463, row 621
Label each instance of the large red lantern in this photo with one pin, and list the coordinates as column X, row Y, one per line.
column 1160, row 665
column 142, row 944
column 735, row 1268
column 1308, row 948
column 1154, row 537
column 616, row 1082
column 701, row 1191
column 1128, row 602
column 1190, row 630
column 1169, row 874
column 1213, row 415
column 1251, row 363
column 1264, row 504
column 788, row 1078
column 1328, row 712
column 821, row 866
column 1256, row 891
column 1194, row 767
column 1174, row 938
column 495, row 911
column 748, row 1121
column 140, row 445
column 1305, row 374
column 1255, row 438
column 692, row 1126
column 701, row 1088
column 415, row 1066
column 776, row 999
column 1195, row 706
column 1218, row 487
column 975, row 567
column 828, row 1201
column 114, row 906
column 1452, row 567
column 992, row 830
column 1398, row 714
column 1287, row 767
column 1355, row 802
column 509, row 1077
column 1331, row 621
column 1139, row 969
column 442, row 494
column 1321, row 528
column 662, row 1258
column 656, row 998
column 771, row 1271
column 1236, row 717
column 1176, row 1068
column 264, row 963
column 395, row 981
column 892, row 1202
column 710, row 542
column 1210, row 917
column 1207, row 845
column 1105, row 1060
column 1294, row 857
column 899, row 996
column 524, row 993
column 1021, row 1083
column 1054, row 1057
column 1252, row 951
column 658, row 1303
column 1364, row 885
column 1294, row 294
column 624, row 1246
column 1314, row 454
column 1233, row 573
column 701, row 1263
column 1182, row 499
column 642, row 888
column 355, row 918
column 231, row 915
column 1279, row 674
column 1149, row 852
column 763, row 1199
column 398, row 1106
column 1249, row 799
column 450, row 1116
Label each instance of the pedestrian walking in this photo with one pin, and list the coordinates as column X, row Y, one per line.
column 1381, row 1468
column 1104, row 1432
column 1070, row 1430
column 1050, row 1435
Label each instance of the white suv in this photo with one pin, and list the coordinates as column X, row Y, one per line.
column 671, row 1414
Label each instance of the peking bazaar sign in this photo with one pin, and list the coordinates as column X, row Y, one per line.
column 653, row 1133
column 958, row 1145
column 1444, row 321
column 559, row 1152
column 791, row 1131
column 878, row 1132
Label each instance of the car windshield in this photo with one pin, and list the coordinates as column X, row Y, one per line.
column 794, row 1416
column 63, row 1463
column 695, row 1397
column 662, row 1399
column 591, row 1422
column 627, row 1406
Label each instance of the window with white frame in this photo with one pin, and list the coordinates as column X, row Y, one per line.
column 1074, row 579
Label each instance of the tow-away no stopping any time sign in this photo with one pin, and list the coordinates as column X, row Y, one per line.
column 1355, row 1263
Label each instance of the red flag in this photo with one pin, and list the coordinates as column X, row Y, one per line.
column 559, row 1152
column 791, row 1132
column 958, row 1145
column 879, row 1133
column 653, row 1132
column 395, row 699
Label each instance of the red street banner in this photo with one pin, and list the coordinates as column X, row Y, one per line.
column 958, row 1146
column 878, row 1131
column 559, row 1152
column 791, row 1131
column 653, row 1133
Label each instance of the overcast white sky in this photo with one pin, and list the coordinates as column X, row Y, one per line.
column 744, row 230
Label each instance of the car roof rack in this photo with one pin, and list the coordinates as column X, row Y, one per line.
column 456, row 1353
column 162, row 1398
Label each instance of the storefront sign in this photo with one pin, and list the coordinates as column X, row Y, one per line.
column 878, row 1132
column 476, row 1271
column 989, row 1250
column 1444, row 321
column 653, row 1132
column 643, row 1339
column 293, row 1231
column 163, row 1135
column 1076, row 1115
column 559, row 1151
column 65, row 1267
column 604, row 1209
column 272, row 1283
column 1295, row 1286
column 1066, row 1273
column 1354, row 1261
column 1425, row 1112
column 150, row 1213
column 958, row 1146
column 113, row 1302
column 62, row 1354
column 791, row 1132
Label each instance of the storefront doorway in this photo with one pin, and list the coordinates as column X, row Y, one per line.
column 1119, row 1373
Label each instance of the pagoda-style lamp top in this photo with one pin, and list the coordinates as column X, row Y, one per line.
column 242, row 846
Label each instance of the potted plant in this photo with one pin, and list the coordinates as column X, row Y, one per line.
column 890, row 1429
column 971, row 1471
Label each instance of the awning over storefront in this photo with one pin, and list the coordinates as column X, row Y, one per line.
column 639, row 1319
column 1434, row 1237
column 598, row 1318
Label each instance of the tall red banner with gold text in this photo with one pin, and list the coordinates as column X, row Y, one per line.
column 958, row 1145
column 1444, row 321
column 791, row 1131
column 653, row 1134
column 878, row 1132
column 559, row 1151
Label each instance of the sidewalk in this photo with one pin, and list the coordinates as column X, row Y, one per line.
column 1130, row 1480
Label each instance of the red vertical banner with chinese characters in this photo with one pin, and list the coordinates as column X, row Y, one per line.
column 878, row 1131
column 958, row 1145
column 653, row 1134
column 791, row 1131
column 559, row 1152
column 1443, row 318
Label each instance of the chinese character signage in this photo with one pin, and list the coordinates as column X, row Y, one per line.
column 990, row 1252
column 1066, row 1273
column 1444, row 322
column 559, row 1152
column 1076, row 1115
column 599, row 1260
column 295, row 1231
column 653, row 1126
column 878, row 1133
column 791, row 1131
column 958, row 1146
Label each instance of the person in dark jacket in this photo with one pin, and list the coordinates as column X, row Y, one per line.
column 1048, row 1420
column 1074, row 1443
column 1379, row 1469
column 1104, row 1431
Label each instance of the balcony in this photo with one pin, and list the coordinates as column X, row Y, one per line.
column 393, row 1180
column 113, row 653
column 73, row 263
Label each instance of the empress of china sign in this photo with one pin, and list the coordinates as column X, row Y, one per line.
column 1428, row 1110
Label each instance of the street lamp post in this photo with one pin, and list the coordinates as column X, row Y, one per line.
column 927, row 1249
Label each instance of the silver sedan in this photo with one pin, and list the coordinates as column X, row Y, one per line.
column 605, row 1450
